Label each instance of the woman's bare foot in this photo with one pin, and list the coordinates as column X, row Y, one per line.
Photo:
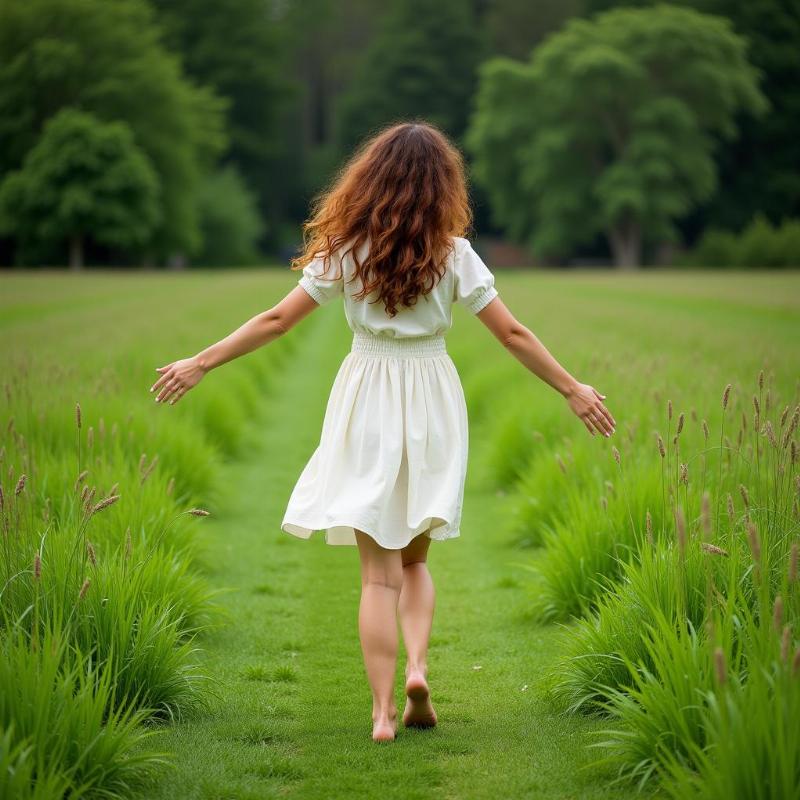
column 384, row 726
column 418, row 712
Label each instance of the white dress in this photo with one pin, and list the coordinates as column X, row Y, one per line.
column 392, row 456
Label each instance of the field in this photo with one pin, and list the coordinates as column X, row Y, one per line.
column 610, row 617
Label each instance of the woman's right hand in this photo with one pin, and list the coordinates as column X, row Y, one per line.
column 587, row 404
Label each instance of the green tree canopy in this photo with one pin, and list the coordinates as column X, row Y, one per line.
column 106, row 58
column 421, row 63
column 84, row 178
column 241, row 50
column 759, row 171
column 610, row 128
column 229, row 220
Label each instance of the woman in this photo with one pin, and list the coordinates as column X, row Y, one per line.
column 389, row 472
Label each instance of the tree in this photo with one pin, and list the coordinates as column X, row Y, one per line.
column 241, row 49
column 229, row 220
column 84, row 178
column 760, row 170
column 515, row 27
column 106, row 58
column 610, row 128
column 421, row 63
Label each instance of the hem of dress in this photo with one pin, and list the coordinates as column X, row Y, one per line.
column 305, row 531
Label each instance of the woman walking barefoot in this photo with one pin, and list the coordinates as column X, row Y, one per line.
column 389, row 471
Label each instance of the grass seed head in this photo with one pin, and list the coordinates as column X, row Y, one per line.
column 713, row 549
column 561, row 465
column 756, row 405
column 792, row 426
column 20, row 485
column 719, row 665
column 684, row 474
column 669, row 409
column 754, row 541
column 84, row 588
column 89, row 497
column 745, row 495
column 761, row 379
column 770, row 434
column 648, row 524
column 128, row 543
column 705, row 430
column 92, row 554
column 784, row 414
column 79, row 479
column 786, row 642
column 199, row 512
column 660, row 442
column 105, row 503
column 37, row 566
column 777, row 613
column 78, row 414
column 680, row 526
column 680, row 424
column 725, row 396
column 615, row 453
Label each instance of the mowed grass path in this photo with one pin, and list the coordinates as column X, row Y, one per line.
column 291, row 714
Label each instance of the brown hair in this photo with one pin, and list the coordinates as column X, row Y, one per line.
column 405, row 191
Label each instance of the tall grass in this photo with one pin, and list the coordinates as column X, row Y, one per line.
column 102, row 591
column 689, row 648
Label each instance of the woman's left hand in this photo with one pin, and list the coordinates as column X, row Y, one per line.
column 177, row 378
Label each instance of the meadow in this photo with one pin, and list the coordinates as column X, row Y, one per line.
column 618, row 615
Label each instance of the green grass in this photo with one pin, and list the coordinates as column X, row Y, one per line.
column 292, row 717
column 288, row 706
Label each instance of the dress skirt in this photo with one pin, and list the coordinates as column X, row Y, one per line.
column 392, row 456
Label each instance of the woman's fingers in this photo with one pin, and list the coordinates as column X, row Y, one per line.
column 607, row 415
column 162, row 379
column 600, row 422
column 170, row 387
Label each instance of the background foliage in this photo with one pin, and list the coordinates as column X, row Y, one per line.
column 279, row 93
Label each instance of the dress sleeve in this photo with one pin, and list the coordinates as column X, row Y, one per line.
column 321, row 282
column 474, row 284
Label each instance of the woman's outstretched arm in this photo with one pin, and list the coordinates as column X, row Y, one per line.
column 178, row 377
column 525, row 346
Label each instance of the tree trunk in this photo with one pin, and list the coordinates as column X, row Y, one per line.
column 626, row 245
column 76, row 252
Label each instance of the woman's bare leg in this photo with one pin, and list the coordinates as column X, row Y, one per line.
column 415, row 607
column 381, row 580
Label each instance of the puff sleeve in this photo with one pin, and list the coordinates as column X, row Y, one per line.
column 321, row 282
column 474, row 283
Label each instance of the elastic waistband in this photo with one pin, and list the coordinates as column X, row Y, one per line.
column 400, row 346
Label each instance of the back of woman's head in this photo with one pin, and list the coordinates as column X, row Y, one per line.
column 404, row 191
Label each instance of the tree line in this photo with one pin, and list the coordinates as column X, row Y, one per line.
column 168, row 132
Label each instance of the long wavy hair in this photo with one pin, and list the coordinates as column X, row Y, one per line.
column 404, row 191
